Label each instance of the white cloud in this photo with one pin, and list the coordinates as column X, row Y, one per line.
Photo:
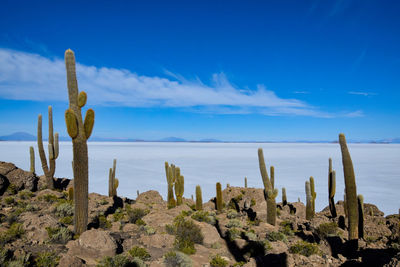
column 25, row 76
column 362, row 93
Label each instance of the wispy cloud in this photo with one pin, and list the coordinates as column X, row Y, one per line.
column 361, row 93
column 301, row 92
column 26, row 76
column 354, row 114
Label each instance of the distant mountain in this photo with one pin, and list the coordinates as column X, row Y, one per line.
column 172, row 139
column 18, row 136
column 210, row 140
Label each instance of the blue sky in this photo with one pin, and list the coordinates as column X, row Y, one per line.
column 230, row 70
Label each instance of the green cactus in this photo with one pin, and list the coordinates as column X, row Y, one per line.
column 350, row 187
column 179, row 186
column 219, row 197
column 272, row 172
column 269, row 192
column 309, row 211
column 71, row 194
column 332, row 189
column 199, row 199
column 79, row 130
column 50, row 169
column 112, row 181
column 170, row 174
column 313, row 194
column 284, row 199
column 245, row 182
column 360, row 202
column 137, row 193
column 32, row 159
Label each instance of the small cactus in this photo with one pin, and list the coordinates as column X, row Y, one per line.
column 284, row 199
column 32, row 159
column 112, row 181
column 179, row 187
column 170, row 174
column 71, row 194
column 199, row 199
column 313, row 194
column 360, row 202
column 137, row 193
column 350, row 187
column 269, row 192
column 332, row 189
column 309, row 211
column 49, row 169
column 79, row 130
column 245, row 182
column 219, row 197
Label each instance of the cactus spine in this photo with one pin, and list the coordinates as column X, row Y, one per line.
column 350, row 187
column 219, row 197
column 360, row 202
column 179, row 186
column 170, row 174
column 79, row 130
column 269, row 192
column 32, row 159
column 245, row 182
column 309, row 211
column 332, row 189
column 50, row 169
column 284, row 199
column 112, row 181
column 199, row 199
column 313, row 194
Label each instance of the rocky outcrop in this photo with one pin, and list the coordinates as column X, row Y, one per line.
column 19, row 178
column 35, row 226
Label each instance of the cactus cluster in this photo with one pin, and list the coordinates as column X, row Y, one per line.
column 48, row 169
column 112, row 181
column 79, row 130
column 174, row 179
column 332, row 189
column 269, row 192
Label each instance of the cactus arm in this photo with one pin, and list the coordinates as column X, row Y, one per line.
column 272, row 173
column 88, row 123
column 263, row 169
column 82, row 97
column 56, row 146
column 360, row 202
column 350, row 187
column 45, row 167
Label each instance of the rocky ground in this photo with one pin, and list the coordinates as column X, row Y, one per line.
column 36, row 230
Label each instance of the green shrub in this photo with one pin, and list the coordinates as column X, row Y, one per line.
column 12, row 189
column 234, row 223
column 47, row 259
column 251, row 235
column 118, row 215
column 59, row 235
column 136, row 214
column 48, row 198
column 232, row 214
column 327, row 229
column 204, row 216
column 177, row 259
column 15, row 231
column 218, row 261
column 103, row 202
column 103, row 222
column 187, row 233
column 286, row 228
column 25, row 194
column 119, row 261
column 239, row 264
column 140, row 253
column 252, row 202
column 304, row 248
column 148, row 229
column 31, row 207
column 64, row 209
column 66, row 220
column 9, row 200
column 276, row 236
column 234, row 233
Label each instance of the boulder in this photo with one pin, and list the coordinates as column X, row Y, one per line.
column 158, row 240
column 18, row 177
column 35, row 226
column 150, row 197
column 3, row 184
column 6, row 167
column 210, row 234
column 93, row 245
column 70, row 261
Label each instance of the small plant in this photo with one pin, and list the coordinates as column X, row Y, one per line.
column 64, row 209
column 12, row 189
column 286, row 228
column 234, row 223
column 66, row 220
column 304, row 248
column 234, row 233
column 25, row 194
column 117, row 260
column 177, row 259
column 103, row 202
column 148, row 229
column 276, row 236
column 9, row 200
column 103, row 222
column 239, row 264
column 48, row 198
column 327, row 229
column 136, row 214
column 14, row 232
column 251, row 235
column 118, row 215
column 187, row 233
column 140, row 253
column 59, row 235
column 252, row 202
column 31, row 207
column 218, row 261
column 204, row 216
column 232, row 214
column 216, row 245
column 47, row 259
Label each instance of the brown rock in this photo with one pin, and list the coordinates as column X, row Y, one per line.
column 150, row 197
column 70, row 261
column 23, row 179
column 6, row 167
column 158, row 240
column 93, row 245
column 210, row 234
column 35, row 226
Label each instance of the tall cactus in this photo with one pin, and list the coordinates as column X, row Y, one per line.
column 199, row 199
column 284, row 199
column 79, row 130
column 112, row 181
column 350, row 187
column 32, row 159
column 170, row 174
column 309, row 211
column 313, row 194
column 219, row 197
column 245, row 182
column 332, row 189
column 360, row 202
column 50, row 169
column 179, row 186
column 269, row 192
